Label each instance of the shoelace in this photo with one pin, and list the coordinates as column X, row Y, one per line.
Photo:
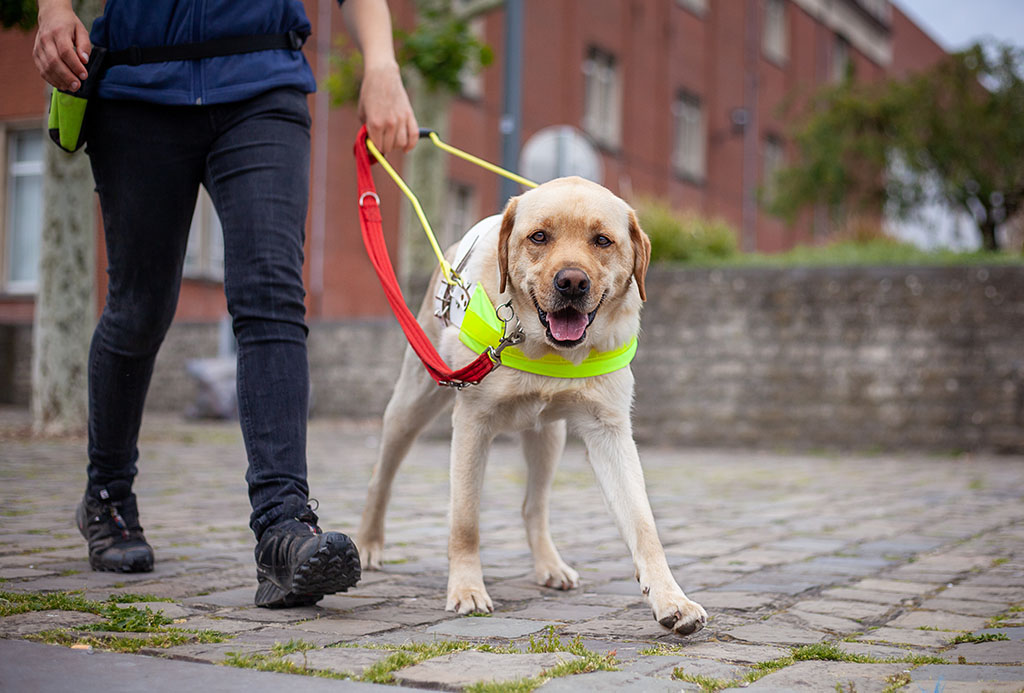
column 119, row 521
column 309, row 518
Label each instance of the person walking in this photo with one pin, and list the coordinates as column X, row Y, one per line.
column 238, row 124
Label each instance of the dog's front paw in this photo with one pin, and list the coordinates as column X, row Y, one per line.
column 468, row 597
column 556, row 574
column 370, row 554
column 677, row 613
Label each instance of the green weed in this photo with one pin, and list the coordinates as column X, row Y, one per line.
column 707, row 684
column 972, row 638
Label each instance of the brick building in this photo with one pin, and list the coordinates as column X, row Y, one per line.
column 687, row 100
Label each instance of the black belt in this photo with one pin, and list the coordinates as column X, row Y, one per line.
column 233, row 45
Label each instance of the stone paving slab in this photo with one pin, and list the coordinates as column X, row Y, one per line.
column 908, row 636
column 776, row 632
column 340, row 660
column 829, row 676
column 493, row 627
column 456, row 671
column 948, row 678
column 663, row 667
column 939, row 620
column 26, row 666
column 994, row 652
column 624, row 681
column 879, row 550
column 38, row 621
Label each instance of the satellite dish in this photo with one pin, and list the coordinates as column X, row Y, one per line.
column 557, row 151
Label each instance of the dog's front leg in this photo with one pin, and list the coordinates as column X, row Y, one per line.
column 616, row 463
column 471, row 442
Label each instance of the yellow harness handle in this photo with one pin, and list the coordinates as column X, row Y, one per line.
column 450, row 276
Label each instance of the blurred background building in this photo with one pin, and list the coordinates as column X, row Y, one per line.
column 690, row 101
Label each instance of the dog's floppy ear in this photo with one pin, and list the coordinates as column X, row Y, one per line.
column 641, row 253
column 507, row 222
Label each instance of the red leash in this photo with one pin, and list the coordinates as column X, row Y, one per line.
column 373, row 238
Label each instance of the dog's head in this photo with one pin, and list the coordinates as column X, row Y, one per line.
column 573, row 258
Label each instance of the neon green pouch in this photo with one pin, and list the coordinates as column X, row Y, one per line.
column 66, row 122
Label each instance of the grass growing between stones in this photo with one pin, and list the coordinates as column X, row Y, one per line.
column 407, row 655
column 983, row 637
column 126, row 643
column 1014, row 616
column 821, row 652
column 413, row 653
column 116, row 619
column 275, row 661
column 661, row 650
column 591, row 662
column 897, row 681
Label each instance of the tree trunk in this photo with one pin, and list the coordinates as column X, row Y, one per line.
column 989, row 240
column 65, row 309
column 426, row 169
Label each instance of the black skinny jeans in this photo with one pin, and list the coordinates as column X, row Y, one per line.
column 253, row 157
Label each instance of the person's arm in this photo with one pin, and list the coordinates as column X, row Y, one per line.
column 62, row 45
column 383, row 103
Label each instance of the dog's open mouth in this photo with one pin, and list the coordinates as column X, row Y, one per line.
column 566, row 327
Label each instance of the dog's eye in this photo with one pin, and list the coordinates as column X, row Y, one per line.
column 602, row 241
column 539, row 237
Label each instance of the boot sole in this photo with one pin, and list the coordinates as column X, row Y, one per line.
column 333, row 567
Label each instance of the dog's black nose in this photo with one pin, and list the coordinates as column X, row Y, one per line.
column 572, row 282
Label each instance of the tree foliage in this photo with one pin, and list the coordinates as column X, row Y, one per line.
column 952, row 134
column 18, row 13
column 440, row 49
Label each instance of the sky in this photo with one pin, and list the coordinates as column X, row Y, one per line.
column 956, row 24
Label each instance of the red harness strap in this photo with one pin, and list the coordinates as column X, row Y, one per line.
column 373, row 239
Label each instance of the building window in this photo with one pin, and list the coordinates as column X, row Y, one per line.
column 23, row 223
column 840, row 58
column 688, row 151
column 204, row 254
column 775, row 36
column 773, row 159
column 698, row 7
column 471, row 77
column 602, row 108
column 460, row 212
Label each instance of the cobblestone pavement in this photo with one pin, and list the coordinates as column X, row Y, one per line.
column 819, row 572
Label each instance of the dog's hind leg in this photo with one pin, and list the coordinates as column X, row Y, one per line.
column 543, row 448
column 415, row 403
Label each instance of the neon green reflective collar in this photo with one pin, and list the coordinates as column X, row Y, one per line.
column 481, row 329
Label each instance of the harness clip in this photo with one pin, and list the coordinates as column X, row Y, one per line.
column 508, row 339
column 459, row 385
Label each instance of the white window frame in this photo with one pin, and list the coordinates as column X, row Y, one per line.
column 471, row 79
column 12, row 171
column 689, row 148
column 204, row 254
column 775, row 33
column 602, row 100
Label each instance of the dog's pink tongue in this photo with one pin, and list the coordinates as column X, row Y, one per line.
column 567, row 325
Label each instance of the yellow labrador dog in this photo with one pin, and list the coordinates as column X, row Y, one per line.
column 571, row 258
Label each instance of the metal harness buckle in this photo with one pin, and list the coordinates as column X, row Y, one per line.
column 457, row 384
column 517, row 335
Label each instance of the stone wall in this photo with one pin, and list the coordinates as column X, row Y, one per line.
column 853, row 358
column 928, row 358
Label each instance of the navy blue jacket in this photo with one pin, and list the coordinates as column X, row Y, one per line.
column 223, row 79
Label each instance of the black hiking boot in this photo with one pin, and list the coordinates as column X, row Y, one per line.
column 108, row 518
column 297, row 563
